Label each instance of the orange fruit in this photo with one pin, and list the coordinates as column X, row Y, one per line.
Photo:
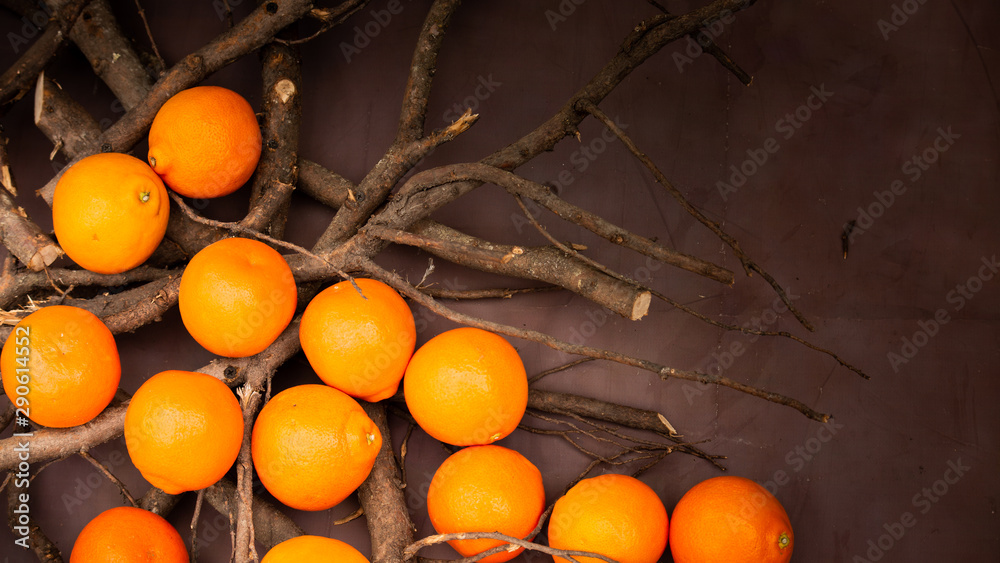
column 357, row 344
column 109, row 212
column 730, row 519
column 313, row 446
column 128, row 534
column 315, row 549
column 614, row 515
column 236, row 296
column 205, row 142
column 60, row 366
column 486, row 489
column 466, row 387
column 183, row 430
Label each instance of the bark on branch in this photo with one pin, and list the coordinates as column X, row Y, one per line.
column 514, row 184
column 276, row 173
column 17, row 80
column 271, row 525
column 248, row 35
column 109, row 53
column 545, row 264
column 381, row 497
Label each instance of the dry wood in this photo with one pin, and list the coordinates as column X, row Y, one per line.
column 368, row 217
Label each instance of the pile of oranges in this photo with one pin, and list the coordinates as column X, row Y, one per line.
column 313, row 445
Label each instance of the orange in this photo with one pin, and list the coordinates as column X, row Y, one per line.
column 613, row 515
column 313, row 446
column 60, row 366
column 183, row 430
column 236, row 297
column 486, row 489
column 466, row 387
column 109, row 212
column 730, row 519
column 128, row 534
column 315, row 549
column 205, row 142
column 357, row 344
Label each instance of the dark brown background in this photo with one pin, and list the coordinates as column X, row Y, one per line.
column 895, row 435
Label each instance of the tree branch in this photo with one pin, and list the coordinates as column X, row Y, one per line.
column 381, row 497
column 271, row 525
column 410, row 145
column 422, row 69
column 247, row 36
column 663, row 371
column 546, row 264
column 110, row 54
column 570, row 555
column 748, row 264
column 158, row 502
column 276, row 173
column 22, row 237
column 65, row 122
column 16, row 284
column 515, row 184
column 17, row 80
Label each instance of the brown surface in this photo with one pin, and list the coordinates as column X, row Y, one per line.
column 895, row 435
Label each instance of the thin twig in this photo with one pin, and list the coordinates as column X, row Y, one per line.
column 250, row 402
column 557, row 369
column 248, row 232
column 757, row 332
column 710, row 47
column 328, row 20
column 571, row 555
column 194, row 525
column 111, row 477
column 350, row 517
column 490, row 293
column 748, row 264
column 569, row 250
column 401, row 458
column 160, row 64
column 663, row 371
column 228, row 12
